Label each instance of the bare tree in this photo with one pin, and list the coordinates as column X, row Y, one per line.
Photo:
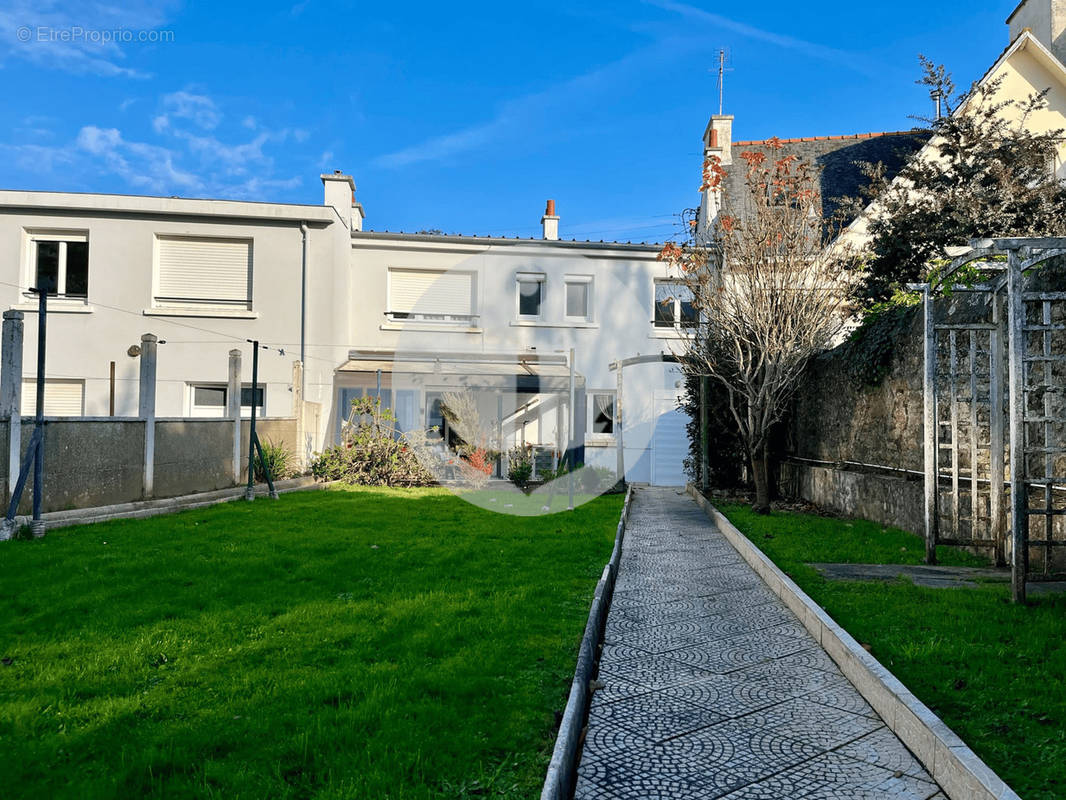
column 769, row 294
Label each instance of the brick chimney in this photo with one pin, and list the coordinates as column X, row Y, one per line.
column 550, row 222
column 339, row 191
column 1045, row 19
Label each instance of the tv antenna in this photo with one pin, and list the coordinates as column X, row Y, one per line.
column 723, row 58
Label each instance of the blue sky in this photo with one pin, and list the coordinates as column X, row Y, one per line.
column 458, row 116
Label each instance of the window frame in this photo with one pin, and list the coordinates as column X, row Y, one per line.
column 590, row 429
column 429, row 319
column 539, row 278
column 246, row 410
column 677, row 325
column 578, row 280
column 62, row 236
column 202, row 306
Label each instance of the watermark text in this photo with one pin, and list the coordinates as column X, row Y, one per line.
column 76, row 34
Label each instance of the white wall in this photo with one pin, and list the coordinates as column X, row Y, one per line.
column 83, row 339
column 622, row 301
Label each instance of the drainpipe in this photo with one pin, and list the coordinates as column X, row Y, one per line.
column 303, row 313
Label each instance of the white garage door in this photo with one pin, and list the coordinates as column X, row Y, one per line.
column 669, row 443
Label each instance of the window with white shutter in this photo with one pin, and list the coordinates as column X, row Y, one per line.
column 201, row 272
column 431, row 295
column 62, row 398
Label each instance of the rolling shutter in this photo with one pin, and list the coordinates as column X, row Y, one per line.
column 204, row 272
column 430, row 292
column 61, row 398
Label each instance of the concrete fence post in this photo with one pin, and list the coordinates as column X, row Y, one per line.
column 146, row 407
column 299, row 413
column 11, row 392
column 233, row 409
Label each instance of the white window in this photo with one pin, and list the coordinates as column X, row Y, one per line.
column 601, row 413
column 62, row 398
column 674, row 306
column 579, row 298
column 210, row 400
column 203, row 273
column 530, row 295
column 59, row 262
column 424, row 295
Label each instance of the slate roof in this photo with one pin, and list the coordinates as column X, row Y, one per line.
column 838, row 156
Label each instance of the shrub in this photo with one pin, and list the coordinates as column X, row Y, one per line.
column 280, row 460
column 520, row 465
column 596, row 479
column 372, row 452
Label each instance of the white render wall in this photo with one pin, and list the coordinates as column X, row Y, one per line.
column 83, row 339
column 622, row 299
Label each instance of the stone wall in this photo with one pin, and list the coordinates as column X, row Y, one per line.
column 836, row 419
column 891, row 500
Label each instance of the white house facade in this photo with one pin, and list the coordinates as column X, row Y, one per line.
column 341, row 312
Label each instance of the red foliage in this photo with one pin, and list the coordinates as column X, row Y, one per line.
column 479, row 460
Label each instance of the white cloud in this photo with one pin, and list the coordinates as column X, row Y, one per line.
column 34, row 31
column 198, row 108
column 37, row 158
column 144, row 166
column 182, row 153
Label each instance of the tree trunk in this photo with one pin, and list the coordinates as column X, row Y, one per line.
column 760, row 472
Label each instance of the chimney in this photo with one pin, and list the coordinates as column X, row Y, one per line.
column 550, row 222
column 1045, row 19
column 717, row 141
column 718, row 138
column 340, row 193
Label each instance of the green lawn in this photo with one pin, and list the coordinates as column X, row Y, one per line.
column 994, row 672
column 338, row 644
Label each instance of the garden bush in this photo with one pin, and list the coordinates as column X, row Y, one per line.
column 520, row 465
column 280, row 460
column 372, row 451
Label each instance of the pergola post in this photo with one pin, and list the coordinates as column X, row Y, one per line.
column 996, row 465
column 1019, row 495
column 932, row 465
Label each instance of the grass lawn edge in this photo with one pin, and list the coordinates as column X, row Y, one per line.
column 951, row 762
column 562, row 769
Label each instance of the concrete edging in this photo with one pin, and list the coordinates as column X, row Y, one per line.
column 959, row 771
column 562, row 769
column 141, row 509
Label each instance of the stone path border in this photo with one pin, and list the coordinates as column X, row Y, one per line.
column 559, row 782
column 167, row 505
column 959, row 771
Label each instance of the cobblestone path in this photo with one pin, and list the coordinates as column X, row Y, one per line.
column 713, row 688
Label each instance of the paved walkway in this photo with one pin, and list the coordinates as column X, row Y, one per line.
column 712, row 687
